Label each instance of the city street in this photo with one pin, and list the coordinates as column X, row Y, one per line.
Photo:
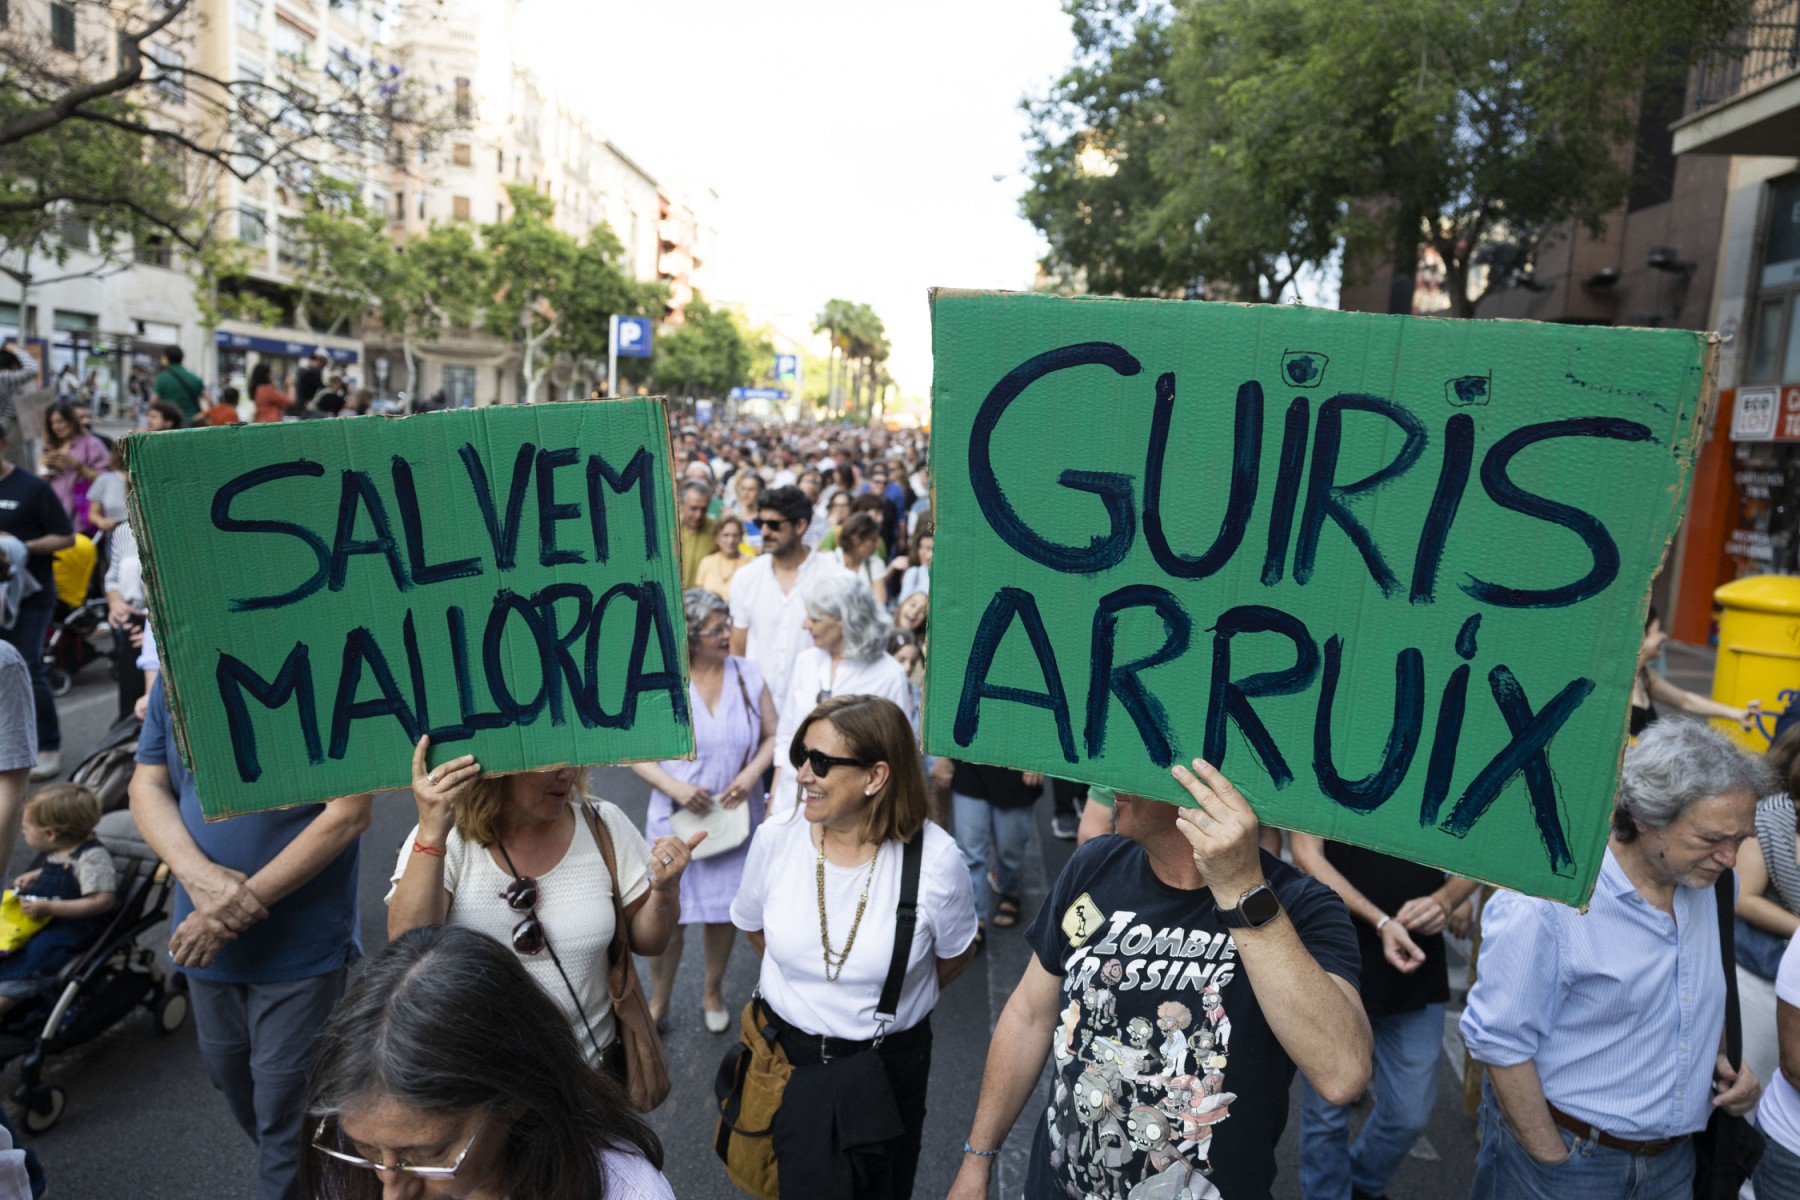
column 140, row 1108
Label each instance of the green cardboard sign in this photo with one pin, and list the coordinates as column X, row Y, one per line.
column 323, row 592
column 1389, row 574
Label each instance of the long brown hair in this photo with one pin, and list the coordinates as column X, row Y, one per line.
column 481, row 819
column 877, row 731
column 1783, row 757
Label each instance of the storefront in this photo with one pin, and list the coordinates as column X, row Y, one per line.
column 240, row 351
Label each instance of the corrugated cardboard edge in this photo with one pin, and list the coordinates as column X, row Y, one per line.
column 1704, row 399
column 135, row 508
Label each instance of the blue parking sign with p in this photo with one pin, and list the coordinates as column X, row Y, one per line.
column 787, row 368
column 631, row 337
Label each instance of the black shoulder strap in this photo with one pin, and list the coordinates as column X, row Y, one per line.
column 1725, row 895
column 906, row 916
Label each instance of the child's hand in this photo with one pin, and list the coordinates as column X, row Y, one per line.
column 23, row 883
column 38, row 910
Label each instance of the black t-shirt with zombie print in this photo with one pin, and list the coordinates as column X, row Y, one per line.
column 1168, row 1083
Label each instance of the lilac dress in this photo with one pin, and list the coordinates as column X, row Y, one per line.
column 723, row 742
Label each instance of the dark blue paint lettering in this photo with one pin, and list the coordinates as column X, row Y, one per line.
column 1585, row 526
column 226, row 523
column 1326, row 498
column 1246, row 466
column 512, row 710
column 1107, row 680
column 472, row 720
column 1440, row 768
column 1528, row 751
column 292, row 682
column 1465, row 638
column 406, row 495
column 358, row 491
column 1373, row 790
column 550, row 512
column 1114, row 490
column 637, row 473
column 1008, row 603
column 1230, row 698
column 360, row 648
column 504, row 537
column 652, row 615
column 1287, row 488
column 563, row 668
column 1453, row 476
column 415, row 665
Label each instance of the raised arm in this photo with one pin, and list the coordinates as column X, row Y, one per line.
column 420, row 897
column 1316, row 1016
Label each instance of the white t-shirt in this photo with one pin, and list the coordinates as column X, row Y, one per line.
column 574, row 907
column 109, row 490
column 873, row 567
column 879, row 676
column 780, row 897
column 1778, row 1115
column 773, row 617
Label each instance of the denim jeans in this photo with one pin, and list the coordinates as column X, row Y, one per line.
column 1504, row 1171
column 1407, row 1049
column 1778, row 1174
column 27, row 637
column 984, row 832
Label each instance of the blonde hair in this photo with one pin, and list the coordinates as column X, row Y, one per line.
column 481, row 818
column 67, row 811
column 877, row 731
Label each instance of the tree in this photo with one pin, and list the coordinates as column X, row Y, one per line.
column 533, row 266
column 708, row 354
column 599, row 289
column 1279, row 130
column 440, row 283
column 858, row 345
column 345, row 262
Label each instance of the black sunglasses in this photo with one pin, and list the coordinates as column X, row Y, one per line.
column 775, row 523
column 821, row 762
column 521, row 895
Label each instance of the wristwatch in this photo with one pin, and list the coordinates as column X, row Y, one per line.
column 1255, row 908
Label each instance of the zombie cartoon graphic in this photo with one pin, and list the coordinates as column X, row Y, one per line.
column 1103, row 1140
column 1173, row 1018
column 1214, row 1008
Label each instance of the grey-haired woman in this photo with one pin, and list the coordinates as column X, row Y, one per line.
column 445, row 1071
column 734, row 742
column 848, row 658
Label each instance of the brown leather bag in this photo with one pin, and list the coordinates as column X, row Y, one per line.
column 640, row 1046
column 749, row 1087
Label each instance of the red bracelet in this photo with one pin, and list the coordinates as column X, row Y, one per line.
column 422, row 848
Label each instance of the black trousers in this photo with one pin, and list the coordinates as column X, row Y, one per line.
column 1063, row 795
column 829, row 1107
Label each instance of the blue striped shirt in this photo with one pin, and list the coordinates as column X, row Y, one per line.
column 1620, row 1008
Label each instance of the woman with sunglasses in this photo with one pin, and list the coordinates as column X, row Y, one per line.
column 517, row 857
column 444, row 1072
column 848, row 657
column 820, row 900
column 734, row 742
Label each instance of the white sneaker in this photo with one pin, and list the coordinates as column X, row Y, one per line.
column 717, row 1020
column 49, row 765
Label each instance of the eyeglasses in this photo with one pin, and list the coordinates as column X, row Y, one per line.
column 775, row 523
column 521, row 895
column 449, row 1172
column 821, row 762
column 707, row 635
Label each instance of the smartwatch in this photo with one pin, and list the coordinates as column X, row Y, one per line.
column 1255, row 908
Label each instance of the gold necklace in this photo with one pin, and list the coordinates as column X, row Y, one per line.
column 834, row 960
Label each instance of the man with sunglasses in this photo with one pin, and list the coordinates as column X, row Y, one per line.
column 264, row 926
column 768, row 595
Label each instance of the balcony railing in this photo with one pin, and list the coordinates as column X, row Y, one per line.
column 1766, row 48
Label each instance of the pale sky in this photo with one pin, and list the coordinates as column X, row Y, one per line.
column 854, row 145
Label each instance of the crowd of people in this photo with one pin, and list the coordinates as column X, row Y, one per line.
column 1185, row 966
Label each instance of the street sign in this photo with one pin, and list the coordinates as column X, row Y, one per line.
column 631, row 335
column 787, row 368
column 744, row 393
column 1388, row 574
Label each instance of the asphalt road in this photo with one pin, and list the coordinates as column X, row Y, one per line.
column 143, row 1122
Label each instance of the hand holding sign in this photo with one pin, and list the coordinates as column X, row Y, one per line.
column 438, row 790
column 1222, row 831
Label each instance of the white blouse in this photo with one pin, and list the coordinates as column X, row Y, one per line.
column 811, row 682
column 780, row 898
column 574, row 907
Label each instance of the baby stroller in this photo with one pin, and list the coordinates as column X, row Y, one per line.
column 108, row 768
column 99, row 987
column 80, row 613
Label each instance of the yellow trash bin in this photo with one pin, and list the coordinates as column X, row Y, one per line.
column 1759, row 650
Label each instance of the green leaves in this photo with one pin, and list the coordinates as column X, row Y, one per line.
column 709, row 353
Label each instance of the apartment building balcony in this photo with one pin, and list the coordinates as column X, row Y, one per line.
column 1746, row 99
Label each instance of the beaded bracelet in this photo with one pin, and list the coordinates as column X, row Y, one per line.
column 968, row 1149
column 422, row 848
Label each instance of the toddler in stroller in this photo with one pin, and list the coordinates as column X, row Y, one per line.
column 75, row 888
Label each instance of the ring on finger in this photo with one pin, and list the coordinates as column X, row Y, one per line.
column 668, row 860
column 431, row 776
